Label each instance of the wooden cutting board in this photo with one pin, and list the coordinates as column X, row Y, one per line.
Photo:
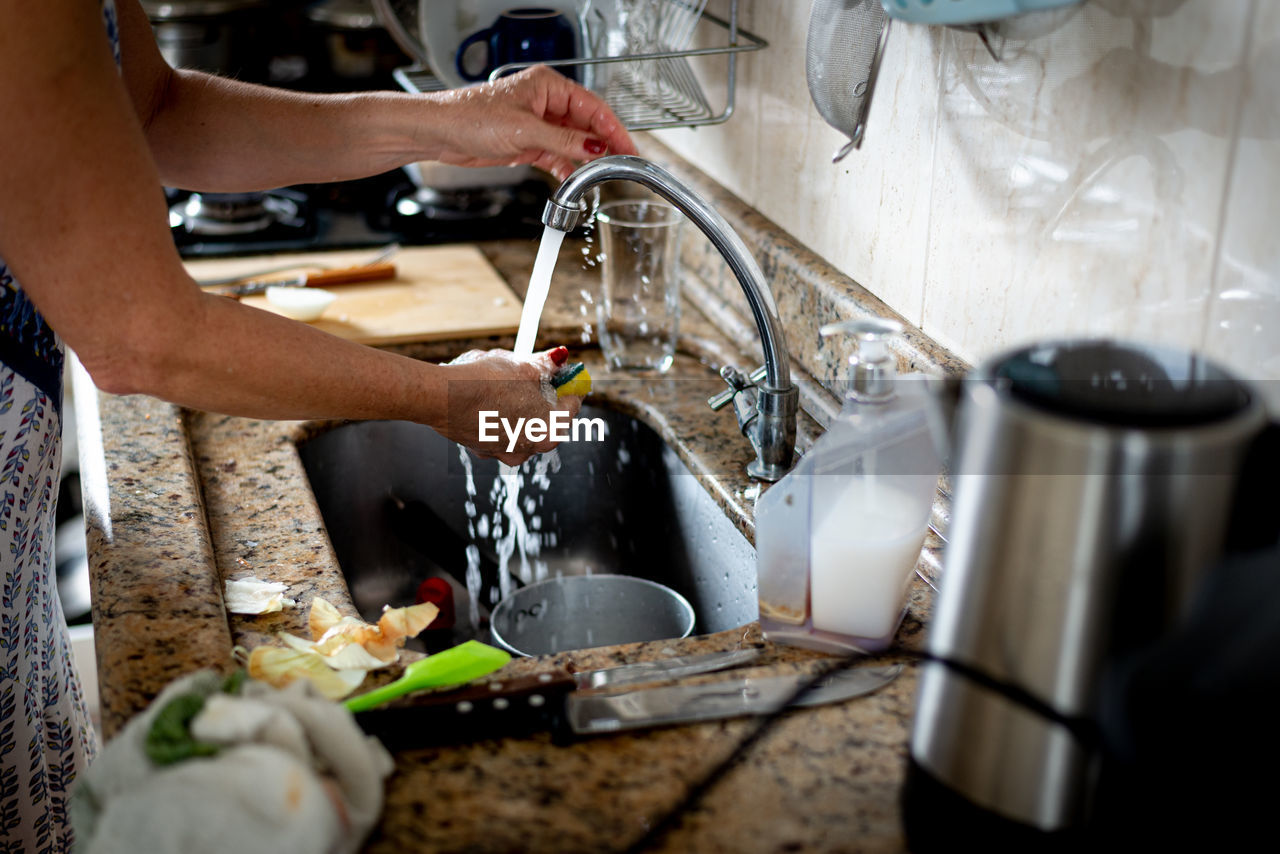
column 439, row 292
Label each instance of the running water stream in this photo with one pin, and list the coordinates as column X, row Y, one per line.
column 539, row 284
column 509, row 516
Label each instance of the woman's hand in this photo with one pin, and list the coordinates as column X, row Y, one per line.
column 537, row 116
column 515, row 388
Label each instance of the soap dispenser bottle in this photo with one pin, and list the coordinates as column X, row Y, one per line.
column 837, row 539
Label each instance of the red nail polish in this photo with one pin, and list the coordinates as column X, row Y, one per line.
column 595, row 146
column 559, row 355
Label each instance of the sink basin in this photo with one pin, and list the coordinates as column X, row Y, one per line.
column 402, row 505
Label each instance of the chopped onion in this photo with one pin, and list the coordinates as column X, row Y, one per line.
column 300, row 303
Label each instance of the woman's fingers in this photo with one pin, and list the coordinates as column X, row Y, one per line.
column 496, row 382
column 537, row 116
column 580, row 108
column 524, row 451
column 559, row 148
column 560, row 167
column 574, row 124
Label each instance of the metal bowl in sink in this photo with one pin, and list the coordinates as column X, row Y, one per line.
column 580, row 611
column 403, row 504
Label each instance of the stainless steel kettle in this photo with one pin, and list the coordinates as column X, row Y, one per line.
column 1093, row 489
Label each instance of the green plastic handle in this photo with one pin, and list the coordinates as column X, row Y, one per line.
column 456, row 666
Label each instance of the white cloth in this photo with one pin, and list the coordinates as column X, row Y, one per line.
column 295, row 775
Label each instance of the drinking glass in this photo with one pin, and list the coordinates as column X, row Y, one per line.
column 638, row 312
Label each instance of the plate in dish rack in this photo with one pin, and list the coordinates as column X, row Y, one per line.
column 445, row 24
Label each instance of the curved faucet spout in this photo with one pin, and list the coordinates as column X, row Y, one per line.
column 566, row 207
column 767, row 414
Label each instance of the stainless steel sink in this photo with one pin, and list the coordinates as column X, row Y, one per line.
column 396, row 500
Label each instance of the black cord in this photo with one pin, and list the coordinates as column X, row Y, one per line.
column 716, row 774
column 1085, row 730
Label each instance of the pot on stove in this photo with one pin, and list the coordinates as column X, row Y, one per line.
column 1098, row 486
column 219, row 36
column 346, row 43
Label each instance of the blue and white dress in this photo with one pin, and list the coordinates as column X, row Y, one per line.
column 46, row 736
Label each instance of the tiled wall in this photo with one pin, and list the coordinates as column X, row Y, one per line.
column 1117, row 172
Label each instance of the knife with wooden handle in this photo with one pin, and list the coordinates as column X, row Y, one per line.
column 314, row 279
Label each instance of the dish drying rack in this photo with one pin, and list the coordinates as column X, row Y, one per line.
column 648, row 91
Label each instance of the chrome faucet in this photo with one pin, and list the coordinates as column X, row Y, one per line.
column 766, row 401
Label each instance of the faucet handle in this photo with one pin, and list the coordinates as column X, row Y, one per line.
column 737, row 382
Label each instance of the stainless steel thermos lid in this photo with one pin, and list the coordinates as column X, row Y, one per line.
column 1120, row 384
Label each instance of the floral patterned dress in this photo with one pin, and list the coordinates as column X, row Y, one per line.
column 46, row 737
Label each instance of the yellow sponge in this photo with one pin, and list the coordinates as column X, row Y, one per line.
column 572, row 379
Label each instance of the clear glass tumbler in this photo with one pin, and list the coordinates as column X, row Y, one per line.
column 638, row 312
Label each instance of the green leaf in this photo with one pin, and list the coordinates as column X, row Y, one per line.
column 169, row 739
column 235, row 681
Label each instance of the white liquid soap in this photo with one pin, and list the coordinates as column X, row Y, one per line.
column 837, row 539
column 863, row 551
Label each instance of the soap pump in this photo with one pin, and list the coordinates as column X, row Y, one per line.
column 838, row 538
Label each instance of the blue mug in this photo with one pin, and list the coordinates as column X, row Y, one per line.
column 533, row 34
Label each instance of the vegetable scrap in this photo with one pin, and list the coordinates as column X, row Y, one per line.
column 255, row 596
column 278, row 667
column 342, row 649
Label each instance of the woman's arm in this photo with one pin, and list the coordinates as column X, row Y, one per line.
column 83, row 226
column 210, row 133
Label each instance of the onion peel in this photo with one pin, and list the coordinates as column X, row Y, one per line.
column 333, row 633
column 278, row 667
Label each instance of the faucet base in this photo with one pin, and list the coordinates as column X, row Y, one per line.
column 768, row 472
column 771, row 428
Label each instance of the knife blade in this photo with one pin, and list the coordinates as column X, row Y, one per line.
column 550, row 702
column 676, row 667
column 313, row 279
column 729, row 698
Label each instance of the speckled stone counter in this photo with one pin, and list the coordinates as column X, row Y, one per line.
column 179, row 501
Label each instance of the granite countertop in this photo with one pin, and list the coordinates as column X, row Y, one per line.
column 180, row 500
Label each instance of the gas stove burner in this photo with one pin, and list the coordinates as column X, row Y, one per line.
column 231, row 214
column 454, row 205
column 368, row 212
